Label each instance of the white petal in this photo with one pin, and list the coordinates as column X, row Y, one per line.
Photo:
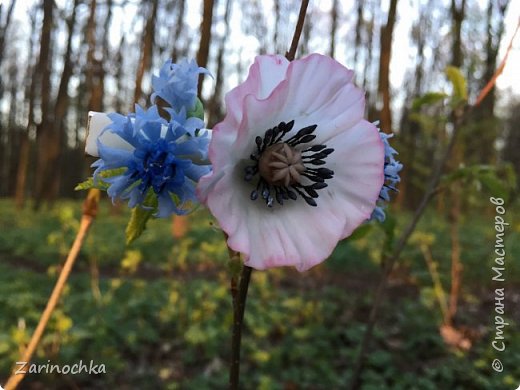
column 97, row 122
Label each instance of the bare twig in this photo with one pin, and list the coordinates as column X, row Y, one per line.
column 298, row 31
column 90, row 207
column 390, row 260
column 491, row 83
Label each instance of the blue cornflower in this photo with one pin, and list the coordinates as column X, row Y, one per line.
column 177, row 84
column 392, row 168
column 156, row 155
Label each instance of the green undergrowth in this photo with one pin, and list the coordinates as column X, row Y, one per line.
column 157, row 313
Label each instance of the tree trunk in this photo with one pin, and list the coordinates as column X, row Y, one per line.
column 30, row 92
column 12, row 153
column 21, row 177
column 359, row 25
column 481, row 150
column 60, row 111
column 177, row 52
column 215, row 103
column 333, row 28
column 45, row 136
column 146, row 51
column 95, row 72
column 205, row 39
column 276, row 34
column 384, row 68
column 3, row 30
column 119, row 64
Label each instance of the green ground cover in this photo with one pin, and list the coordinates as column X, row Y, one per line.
column 158, row 313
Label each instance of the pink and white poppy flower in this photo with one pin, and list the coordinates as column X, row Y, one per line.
column 296, row 167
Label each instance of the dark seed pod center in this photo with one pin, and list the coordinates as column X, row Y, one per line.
column 281, row 165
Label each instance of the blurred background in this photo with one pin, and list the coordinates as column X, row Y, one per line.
column 158, row 312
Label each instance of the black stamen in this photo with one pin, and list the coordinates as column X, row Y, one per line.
column 303, row 140
column 303, row 132
column 284, row 129
column 310, row 191
column 315, row 148
column 317, row 162
column 314, row 155
column 308, row 200
column 291, row 194
column 319, row 155
column 279, row 195
column 267, row 138
column 258, row 141
column 319, row 186
column 315, row 178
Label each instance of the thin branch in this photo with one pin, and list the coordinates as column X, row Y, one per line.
column 298, row 31
column 491, row 83
column 89, row 213
column 390, row 260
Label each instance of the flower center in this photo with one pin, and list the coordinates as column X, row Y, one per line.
column 286, row 171
column 158, row 166
column 281, row 165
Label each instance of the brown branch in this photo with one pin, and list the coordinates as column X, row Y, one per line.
column 491, row 83
column 239, row 306
column 89, row 213
column 297, row 31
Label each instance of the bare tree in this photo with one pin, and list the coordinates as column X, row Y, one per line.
column 4, row 132
column 30, row 97
column 384, row 67
column 205, row 38
column 177, row 52
column 42, row 75
column 146, row 50
column 215, row 103
column 333, row 27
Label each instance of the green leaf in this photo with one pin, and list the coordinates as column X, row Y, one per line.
column 494, row 184
column 488, row 176
column 458, row 81
column 198, row 110
column 85, row 185
column 137, row 224
column 428, row 98
column 100, row 184
column 140, row 216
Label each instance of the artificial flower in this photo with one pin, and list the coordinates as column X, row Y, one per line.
column 160, row 159
column 296, row 168
column 177, row 84
column 391, row 170
column 151, row 161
